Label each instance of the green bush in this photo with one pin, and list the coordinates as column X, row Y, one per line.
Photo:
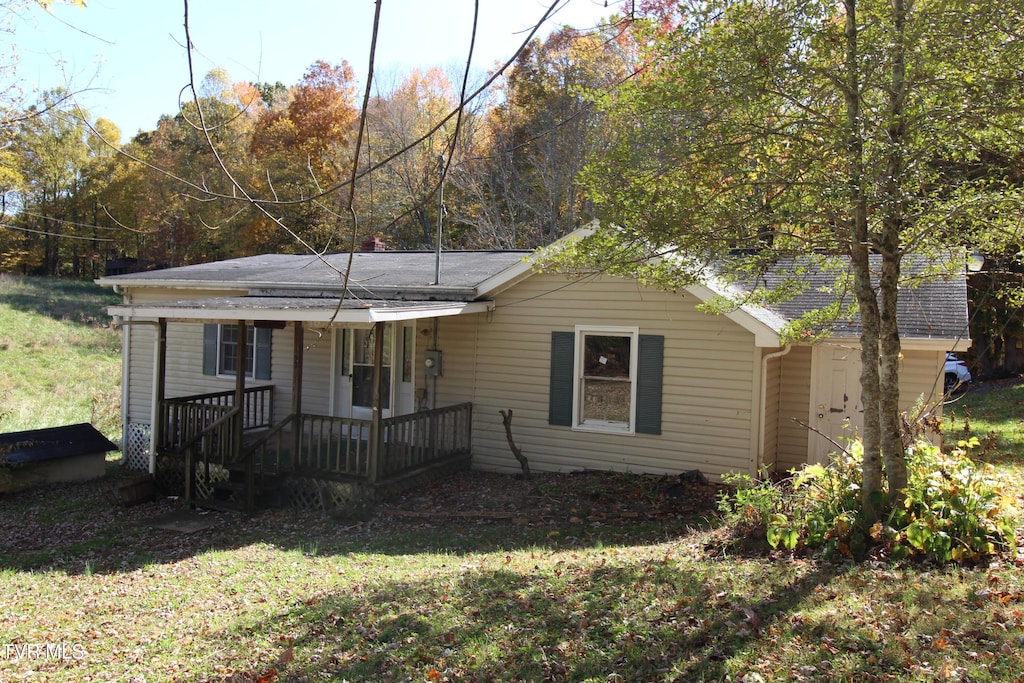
column 952, row 509
column 751, row 505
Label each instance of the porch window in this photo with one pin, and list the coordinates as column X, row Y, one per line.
column 606, row 379
column 220, row 351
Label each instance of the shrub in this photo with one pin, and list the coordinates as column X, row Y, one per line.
column 952, row 509
column 751, row 505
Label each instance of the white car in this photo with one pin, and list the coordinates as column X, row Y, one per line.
column 957, row 374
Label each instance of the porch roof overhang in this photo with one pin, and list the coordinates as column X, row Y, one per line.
column 296, row 309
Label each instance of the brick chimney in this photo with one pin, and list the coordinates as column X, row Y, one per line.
column 373, row 244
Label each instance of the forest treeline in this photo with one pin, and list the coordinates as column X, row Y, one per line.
column 75, row 197
column 580, row 125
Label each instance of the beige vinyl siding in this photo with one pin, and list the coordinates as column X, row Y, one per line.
column 316, row 370
column 709, row 384
column 772, row 394
column 141, row 358
column 184, row 374
column 185, row 363
column 282, row 342
column 921, row 375
column 148, row 295
column 794, row 404
column 142, row 351
column 458, row 340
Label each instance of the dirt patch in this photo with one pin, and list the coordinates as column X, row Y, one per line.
column 555, row 497
column 994, row 384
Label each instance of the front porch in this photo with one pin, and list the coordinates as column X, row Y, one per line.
column 228, row 449
column 240, row 458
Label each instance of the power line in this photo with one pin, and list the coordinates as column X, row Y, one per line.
column 57, row 234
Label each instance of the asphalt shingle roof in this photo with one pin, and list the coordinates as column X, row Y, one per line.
column 371, row 271
column 934, row 308
column 929, row 306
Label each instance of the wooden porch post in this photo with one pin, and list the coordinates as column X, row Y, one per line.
column 239, row 424
column 378, row 372
column 159, row 389
column 298, row 351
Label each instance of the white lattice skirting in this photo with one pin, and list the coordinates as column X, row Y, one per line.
column 136, row 450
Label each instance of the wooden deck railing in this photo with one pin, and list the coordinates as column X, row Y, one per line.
column 340, row 446
column 314, row 443
column 215, row 445
column 186, row 416
column 205, row 430
column 411, row 441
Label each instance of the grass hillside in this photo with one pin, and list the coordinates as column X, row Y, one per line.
column 60, row 358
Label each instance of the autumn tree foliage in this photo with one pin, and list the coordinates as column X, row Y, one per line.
column 56, row 161
column 302, row 144
column 522, row 188
column 256, row 167
column 400, row 200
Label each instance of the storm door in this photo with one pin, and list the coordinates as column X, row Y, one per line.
column 354, row 374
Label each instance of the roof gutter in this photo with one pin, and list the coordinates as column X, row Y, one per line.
column 359, row 316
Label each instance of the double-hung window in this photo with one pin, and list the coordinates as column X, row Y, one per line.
column 606, row 379
column 606, row 373
column 227, row 354
column 220, row 351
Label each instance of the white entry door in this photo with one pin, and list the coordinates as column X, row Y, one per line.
column 353, row 363
column 354, row 372
column 837, row 413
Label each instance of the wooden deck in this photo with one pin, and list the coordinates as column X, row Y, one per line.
column 223, row 469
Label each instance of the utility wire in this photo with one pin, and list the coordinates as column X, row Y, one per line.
column 57, row 234
column 355, row 161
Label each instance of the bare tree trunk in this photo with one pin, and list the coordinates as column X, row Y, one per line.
column 871, row 467
column 893, row 218
column 889, row 382
column 506, row 418
column 870, row 383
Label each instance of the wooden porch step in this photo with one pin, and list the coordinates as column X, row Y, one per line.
column 219, row 505
column 229, row 495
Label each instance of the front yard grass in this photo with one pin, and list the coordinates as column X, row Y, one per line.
column 296, row 597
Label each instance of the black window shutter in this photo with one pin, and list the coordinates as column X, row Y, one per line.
column 262, row 350
column 650, row 364
column 560, row 389
column 210, row 349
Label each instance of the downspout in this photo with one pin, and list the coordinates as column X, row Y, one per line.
column 764, row 398
column 154, row 399
column 125, row 367
column 126, row 350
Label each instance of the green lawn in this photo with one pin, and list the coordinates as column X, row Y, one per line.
column 995, row 415
column 60, row 359
column 299, row 598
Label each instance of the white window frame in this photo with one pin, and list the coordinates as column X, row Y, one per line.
column 582, row 332
column 250, row 372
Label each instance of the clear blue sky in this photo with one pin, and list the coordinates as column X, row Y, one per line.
column 129, row 54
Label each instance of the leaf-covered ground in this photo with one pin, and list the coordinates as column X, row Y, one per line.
column 484, row 578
